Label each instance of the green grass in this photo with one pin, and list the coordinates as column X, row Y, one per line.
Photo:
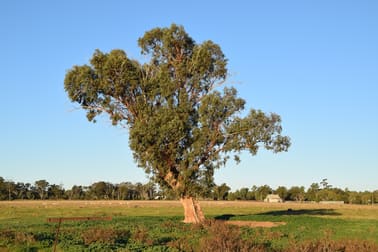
column 157, row 226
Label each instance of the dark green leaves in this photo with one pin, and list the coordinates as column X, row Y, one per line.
column 166, row 44
column 181, row 129
column 111, row 84
column 255, row 130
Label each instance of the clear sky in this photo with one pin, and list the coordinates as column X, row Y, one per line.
column 313, row 62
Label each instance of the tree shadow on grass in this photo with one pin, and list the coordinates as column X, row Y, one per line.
column 314, row 212
column 225, row 216
column 319, row 212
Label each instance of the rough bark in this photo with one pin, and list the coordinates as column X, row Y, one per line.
column 192, row 210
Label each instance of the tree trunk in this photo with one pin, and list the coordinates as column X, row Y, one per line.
column 192, row 210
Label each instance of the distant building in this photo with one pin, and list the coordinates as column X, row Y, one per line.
column 273, row 198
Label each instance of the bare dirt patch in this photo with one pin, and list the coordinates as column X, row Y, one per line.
column 253, row 224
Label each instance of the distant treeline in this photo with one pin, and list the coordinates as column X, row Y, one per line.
column 43, row 190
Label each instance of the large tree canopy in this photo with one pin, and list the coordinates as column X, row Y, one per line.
column 181, row 126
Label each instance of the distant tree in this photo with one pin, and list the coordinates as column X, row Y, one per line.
column 22, row 190
column 340, row 194
column 133, row 191
column 75, row 193
column 122, row 191
column 296, row 193
column 263, row 191
column 326, row 195
column 41, row 187
column 11, row 190
column 353, row 197
column 149, row 190
column 282, row 192
column 97, row 190
column 181, row 127
column 367, row 197
column 102, row 190
column 32, row 193
column 110, row 191
column 3, row 191
column 375, row 197
column 141, row 194
column 55, row 191
column 240, row 194
column 221, row 191
column 325, row 184
column 312, row 193
column 243, row 193
column 253, row 192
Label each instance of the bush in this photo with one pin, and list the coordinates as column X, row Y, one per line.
column 222, row 237
column 92, row 235
column 122, row 236
column 325, row 245
column 23, row 238
column 26, row 248
column 16, row 237
column 180, row 244
column 141, row 235
column 46, row 239
column 7, row 236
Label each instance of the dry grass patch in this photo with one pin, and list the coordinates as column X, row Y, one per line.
column 254, row 224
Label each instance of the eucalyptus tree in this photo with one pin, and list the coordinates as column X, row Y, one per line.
column 41, row 188
column 262, row 192
column 55, row 191
column 221, row 191
column 181, row 124
column 296, row 193
column 282, row 192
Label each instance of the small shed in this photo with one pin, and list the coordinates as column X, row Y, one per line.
column 275, row 198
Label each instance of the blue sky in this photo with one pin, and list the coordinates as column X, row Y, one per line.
column 313, row 62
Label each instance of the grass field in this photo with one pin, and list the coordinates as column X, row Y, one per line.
column 156, row 226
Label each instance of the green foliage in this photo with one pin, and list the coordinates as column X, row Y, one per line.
column 221, row 192
column 138, row 191
column 180, row 127
column 41, row 186
column 108, row 236
column 282, row 192
column 221, row 237
column 326, row 244
column 296, row 193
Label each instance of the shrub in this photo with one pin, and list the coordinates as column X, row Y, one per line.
column 141, row 235
column 7, row 236
column 16, row 237
column 101, row 235
column 122, row 236
column 25, row 248
column 46, row 239
column 23, row 238
column 325, row 245
column 181, row 244
column 222, row 237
